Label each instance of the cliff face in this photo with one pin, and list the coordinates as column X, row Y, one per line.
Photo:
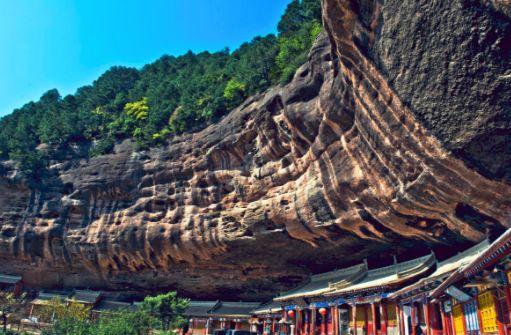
column 393, row 138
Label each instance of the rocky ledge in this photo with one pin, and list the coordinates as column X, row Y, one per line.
column 394, row 138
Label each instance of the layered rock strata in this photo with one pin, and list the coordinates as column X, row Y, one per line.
column 392, row 139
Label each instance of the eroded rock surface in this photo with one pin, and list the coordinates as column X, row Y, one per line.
column 393, row 139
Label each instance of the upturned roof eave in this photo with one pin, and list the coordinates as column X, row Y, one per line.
column 349, row 273
column 503, row 240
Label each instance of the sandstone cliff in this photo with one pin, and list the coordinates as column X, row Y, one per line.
column 394, row 138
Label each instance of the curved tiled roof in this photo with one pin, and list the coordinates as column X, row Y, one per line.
column 389, row 275
column 501, row 247
column 85, row 296
column 234, row 309
column 322, row 283
column 201, row 308
column 221, row 309
column 446, row 267
column 112, row 306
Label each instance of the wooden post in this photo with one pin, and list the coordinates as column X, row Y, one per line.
column 500, row 323
column 313, row 321
column 465, row 331
column 366, row 323
column 298, row 322
column 451, row 319
column 412, row 316
column 307, row 320
column 445, row 328
column 325, row 321
column 508, row 301
column 31, row 310
column 373, row 312
column 335, row 320
column 354, row 312
column 322, row 327
column 399, row 320
column 384, row 315
column 425, row 307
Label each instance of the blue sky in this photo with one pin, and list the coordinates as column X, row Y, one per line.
column 66, row 44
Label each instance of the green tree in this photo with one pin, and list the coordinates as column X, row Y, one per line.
column 169, row 308
column 137, row 113
column 234, row 90
column 61, row 311
column 139, row 110
column 125, row 322
column 294, row 49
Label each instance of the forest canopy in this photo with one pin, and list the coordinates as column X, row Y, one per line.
column 165, row 98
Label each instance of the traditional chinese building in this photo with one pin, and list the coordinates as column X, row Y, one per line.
column 12, row 284
column 306, row 309
column 207, row 316
column 85, row 298
column 414, row 308
column 476, row 297
column 351, row 300
column 107, row 307
column 367, row 300
column 198, row 314
column 465, row 294
column 267, row 318
column 38, row 315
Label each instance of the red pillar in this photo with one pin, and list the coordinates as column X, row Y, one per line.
column 502, row 327
column 434, row 321
column 328, row 316
column 425, row 307
column 373, row 312
column 384, row 318
column 324, row 322
column 445, row 324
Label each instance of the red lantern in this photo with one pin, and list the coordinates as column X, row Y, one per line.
column 322, row 311
column 291, row 313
